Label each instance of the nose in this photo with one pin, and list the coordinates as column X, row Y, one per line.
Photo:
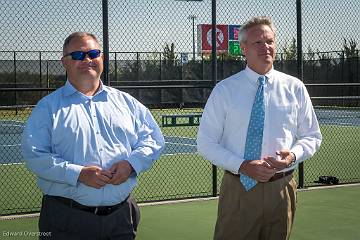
column 265, row 45
column 87, row 58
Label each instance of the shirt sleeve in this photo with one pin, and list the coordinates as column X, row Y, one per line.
column 211, row 131
column 148, row 142
column 308, row 137
column 37, row 151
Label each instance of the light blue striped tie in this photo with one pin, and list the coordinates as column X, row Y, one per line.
column 255, row 133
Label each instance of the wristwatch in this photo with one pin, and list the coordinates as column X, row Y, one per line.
column 293, row 161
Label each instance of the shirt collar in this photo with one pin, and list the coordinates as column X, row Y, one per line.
column 69, row 89
column 253, row 76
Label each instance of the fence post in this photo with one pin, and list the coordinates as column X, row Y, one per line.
column 16, row 93
column 105, row 19
column 115, row 66
column 300, row 72
column 47, row 76
column 160, row 66
column 214, row 78
column 202, row 66
column 138, row 66
column 40, row 70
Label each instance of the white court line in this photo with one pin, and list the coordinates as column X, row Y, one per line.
column 10, row 145
column 185, row 144
column 180, row 137
column 336, row 124
column 10, row 164
column 182, row 153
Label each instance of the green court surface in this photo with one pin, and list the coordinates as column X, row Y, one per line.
column 322, row 214
column 181, row 172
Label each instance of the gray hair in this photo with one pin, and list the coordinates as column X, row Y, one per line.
column 77, row 35
column 255, row 21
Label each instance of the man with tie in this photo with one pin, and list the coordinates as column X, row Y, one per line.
column 258, row 125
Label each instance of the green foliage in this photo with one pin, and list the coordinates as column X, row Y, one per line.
column 310, row 53
column 129, row 71
column 171, row 65
column 290, row 51
column 170, row 58
column 323, row 55
column 350, row 48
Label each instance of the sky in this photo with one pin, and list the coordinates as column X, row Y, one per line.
column 147, row 25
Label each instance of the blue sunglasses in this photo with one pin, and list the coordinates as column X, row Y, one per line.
column 80, row 55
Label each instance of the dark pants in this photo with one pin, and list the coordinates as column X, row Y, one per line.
column 61, row 221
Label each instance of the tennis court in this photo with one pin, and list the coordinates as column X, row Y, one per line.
column 341, row 117
column 181, row 172
column 10, row 139
column 10, row 152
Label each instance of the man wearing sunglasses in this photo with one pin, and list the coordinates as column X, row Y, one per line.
column 87, row 143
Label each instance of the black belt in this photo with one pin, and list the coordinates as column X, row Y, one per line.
column 101, row 210
column 280, row 175
column 277, row 176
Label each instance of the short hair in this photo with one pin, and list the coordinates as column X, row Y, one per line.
column 255, row 21
column 77, row 35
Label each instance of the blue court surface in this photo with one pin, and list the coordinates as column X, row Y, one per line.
column 341, row 117
column 10, row 137
column 10, row 134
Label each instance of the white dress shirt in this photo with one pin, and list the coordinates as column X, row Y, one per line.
column 290, row 120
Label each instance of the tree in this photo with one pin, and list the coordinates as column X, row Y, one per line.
column 290, row 52
column 170, row 58
column 171, row 68
column 351, row 61
column 310, row 53
column 350, row 48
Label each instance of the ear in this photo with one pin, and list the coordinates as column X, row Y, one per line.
column 66, row 63
column 63, row 62
column 243, row 47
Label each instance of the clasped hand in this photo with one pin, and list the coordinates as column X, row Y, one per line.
column 262, row 170
column 97, row 177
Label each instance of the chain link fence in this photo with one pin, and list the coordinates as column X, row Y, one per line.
column 156, row 53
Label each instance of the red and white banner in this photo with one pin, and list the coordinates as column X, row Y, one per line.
column 204, row 31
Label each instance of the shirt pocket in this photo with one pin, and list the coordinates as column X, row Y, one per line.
column 237, row 121
column 287, row 115
column 122, row 128
column 283, row 120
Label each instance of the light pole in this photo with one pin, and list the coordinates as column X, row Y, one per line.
column 193, row 17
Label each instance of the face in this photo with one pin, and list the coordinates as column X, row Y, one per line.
column 79, row 72
column 259, row 48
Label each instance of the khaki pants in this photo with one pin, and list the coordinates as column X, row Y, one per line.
column 265, row 212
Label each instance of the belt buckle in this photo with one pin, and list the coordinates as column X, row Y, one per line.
column 102, row 211
column 96, row 210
